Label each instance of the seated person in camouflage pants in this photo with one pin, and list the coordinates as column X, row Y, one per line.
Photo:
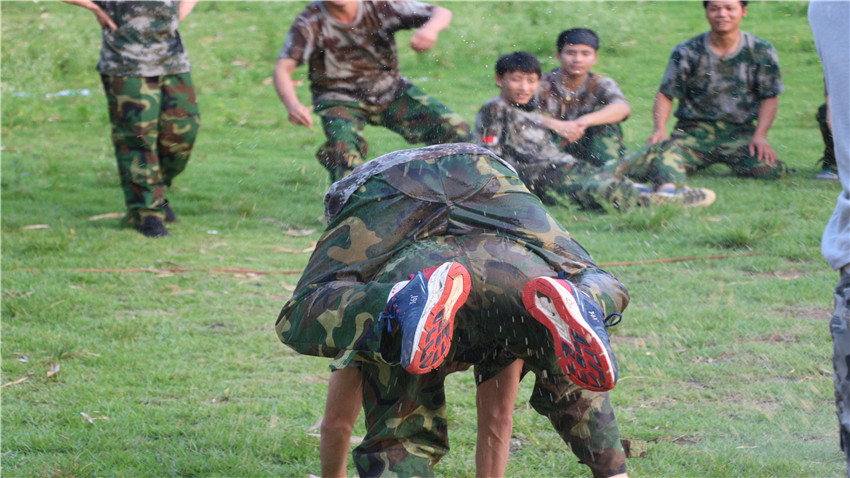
column 591, row 105
column 152, row 104
column 498, row 297
column 727, row 82
column 354, row 77
column 510, row 126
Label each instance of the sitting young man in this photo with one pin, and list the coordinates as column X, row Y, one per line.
column 591, row 105
column 727, row 82
column 499, row 279
column 510, row 126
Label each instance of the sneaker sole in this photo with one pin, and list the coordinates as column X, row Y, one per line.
column 581, row 354
column 448, row 289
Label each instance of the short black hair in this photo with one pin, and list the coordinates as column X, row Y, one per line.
column 705, row 3
column 573, row 36
column 517, row 61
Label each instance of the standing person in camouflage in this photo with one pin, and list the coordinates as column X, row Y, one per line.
column 591, row 105
column 355, row 80
column 152, row 104
column 460, row 206
column 829, row 168
column 830, row 22
column 727, row 82
column 510, row 126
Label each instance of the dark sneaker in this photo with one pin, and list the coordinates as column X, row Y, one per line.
column 827, row 175
column 152, row 226
column 685, row 197
column 578, row 331
column 424, row 309
column 169, row 213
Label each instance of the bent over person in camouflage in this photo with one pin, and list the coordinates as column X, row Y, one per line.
column 152, row 103
column 354, row 77
column 461, row 205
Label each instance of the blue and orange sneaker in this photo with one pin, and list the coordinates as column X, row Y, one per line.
column 578, row 330
column 424, row 309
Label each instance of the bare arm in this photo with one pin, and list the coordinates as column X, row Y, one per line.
column 299, row 114
column 661, row 110
column 612, row 113
column 102, row 18
column 426, row 35
column 186, row 6
column 759, row 144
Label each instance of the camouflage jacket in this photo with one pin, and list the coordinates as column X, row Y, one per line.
column 597, row 91
column 339, row 192
column 714, row 88
column 357, row 61
column 518, row 137
column 145, row 42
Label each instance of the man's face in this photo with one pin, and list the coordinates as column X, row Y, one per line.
column 518, row 87
column 577, row 60
column 725, row 16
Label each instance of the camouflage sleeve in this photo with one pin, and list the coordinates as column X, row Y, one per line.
column 610, row 92
column 673, row 82
column 404, row 14
column 488, row 128
column 768, row 79
column 300, row 41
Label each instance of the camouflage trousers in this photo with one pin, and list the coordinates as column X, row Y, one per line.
column 155, row 121
column 694, row 145
column 468, row 209
column 417, row 117
column 828, row 159
column 839, row 327
column 599, row 145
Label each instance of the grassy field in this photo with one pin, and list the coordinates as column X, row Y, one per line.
column 124, row 356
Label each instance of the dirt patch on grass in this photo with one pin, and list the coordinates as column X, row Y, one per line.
column 807, row 313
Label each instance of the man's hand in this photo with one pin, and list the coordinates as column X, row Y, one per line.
column 423, row 39
column 105, row 21
column 299, row 115
column 657, row 137
column 572, row 131
column 765, row 151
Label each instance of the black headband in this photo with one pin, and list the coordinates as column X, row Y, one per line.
column 582, row 37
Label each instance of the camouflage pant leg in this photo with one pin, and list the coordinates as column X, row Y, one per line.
column 585, row 420
column 699, row 144
column 839, row 328
column 599, row 145
column 346, row 147
column 134, row 109
column 660, row 163
column 828, row 159
column 179, row 122
column 419, row 118
column 594, row 188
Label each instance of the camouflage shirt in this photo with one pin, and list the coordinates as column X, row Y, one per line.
column 145, row 42
column 518, row 137
column 559, row 103
column 356, row 61
column 714, row 88
column 340, row 191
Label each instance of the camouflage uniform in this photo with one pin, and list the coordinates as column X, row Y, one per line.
column 718, row 105
column 152, row 104
column 450, row 202
column 355, row 80
column 517, row 136
column 600, row 144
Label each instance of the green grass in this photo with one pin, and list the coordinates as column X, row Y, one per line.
column 725, row 362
